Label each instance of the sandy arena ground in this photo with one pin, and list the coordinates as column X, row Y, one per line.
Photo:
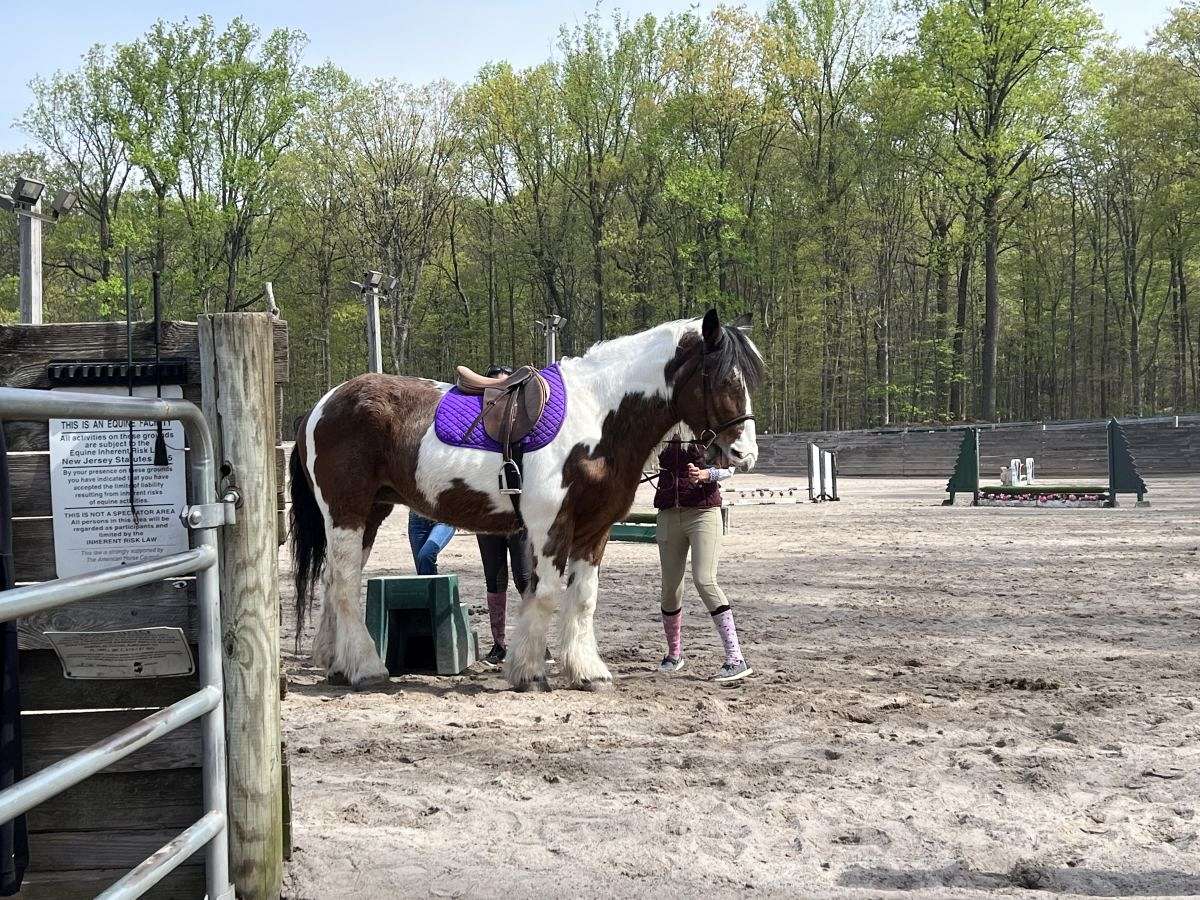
column 947, row 702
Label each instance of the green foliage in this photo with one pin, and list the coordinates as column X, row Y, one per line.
column 979, row 205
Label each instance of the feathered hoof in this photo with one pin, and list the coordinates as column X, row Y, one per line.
column 537, row 685
column 337, row 679
column 597, row 685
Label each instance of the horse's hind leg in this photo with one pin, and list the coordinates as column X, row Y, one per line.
column 354, row 654
column 578, row 654
column 526, row 661
column 323, row 643
column 322, row 648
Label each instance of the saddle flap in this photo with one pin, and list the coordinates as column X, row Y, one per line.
column 511, row 412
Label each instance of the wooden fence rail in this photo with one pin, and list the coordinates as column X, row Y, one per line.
column 1060, row 450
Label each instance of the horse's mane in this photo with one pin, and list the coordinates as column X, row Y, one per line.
column 734, row 351
column 737, row 351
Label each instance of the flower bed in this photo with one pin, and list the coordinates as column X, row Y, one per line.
column 1033, row 497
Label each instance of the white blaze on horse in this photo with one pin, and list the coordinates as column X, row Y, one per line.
column 373, row 442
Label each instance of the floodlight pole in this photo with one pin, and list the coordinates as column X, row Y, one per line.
column 550, row 330
column 374, row 342
column 369, row 289
column 31, row 264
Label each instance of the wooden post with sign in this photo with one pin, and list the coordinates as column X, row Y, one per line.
column 239, row 403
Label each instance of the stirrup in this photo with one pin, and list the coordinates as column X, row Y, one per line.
column 510, row 478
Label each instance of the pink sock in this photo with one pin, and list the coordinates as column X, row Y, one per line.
column 673, row 627
column 723, row 619
column 497, row 607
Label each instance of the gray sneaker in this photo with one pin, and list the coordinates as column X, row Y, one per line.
column 495, row 657
column 670, row 665
column 734, row 671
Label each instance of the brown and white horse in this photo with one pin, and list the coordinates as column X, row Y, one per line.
column 370, row 443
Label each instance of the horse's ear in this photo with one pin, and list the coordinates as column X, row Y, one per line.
column 711, row 329
column 743, row 322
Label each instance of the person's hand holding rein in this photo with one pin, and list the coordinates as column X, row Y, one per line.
column 695, row 476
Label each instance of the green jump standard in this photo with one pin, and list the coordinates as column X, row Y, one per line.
column 1123, row 475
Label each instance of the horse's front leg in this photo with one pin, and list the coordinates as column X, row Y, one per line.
column 525, row 665
column 580, row 658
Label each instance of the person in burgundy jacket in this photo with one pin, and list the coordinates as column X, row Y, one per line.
column 688, row 500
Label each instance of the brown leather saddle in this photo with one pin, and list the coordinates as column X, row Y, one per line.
column 512, row 407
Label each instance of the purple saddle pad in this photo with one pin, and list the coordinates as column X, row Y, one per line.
column 457, row 411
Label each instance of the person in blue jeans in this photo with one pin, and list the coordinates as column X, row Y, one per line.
column 427, row 539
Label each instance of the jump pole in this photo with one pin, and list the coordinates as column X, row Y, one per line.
column 237, row 377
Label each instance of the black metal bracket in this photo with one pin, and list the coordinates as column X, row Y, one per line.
column 90, row 373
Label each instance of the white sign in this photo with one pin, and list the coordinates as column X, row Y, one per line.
column 135, row 653
column 94, row 526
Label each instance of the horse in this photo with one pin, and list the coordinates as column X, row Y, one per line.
column 371, row 443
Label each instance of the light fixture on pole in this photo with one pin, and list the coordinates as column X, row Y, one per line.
column 25, row 201
column 64, row 201
column 369, row 289
column 28, row 191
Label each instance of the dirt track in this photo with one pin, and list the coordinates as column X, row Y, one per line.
column 953, row 702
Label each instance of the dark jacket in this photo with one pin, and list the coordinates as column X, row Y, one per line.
column 674, row 489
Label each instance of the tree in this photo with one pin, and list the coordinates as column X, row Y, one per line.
column 76, row 116
column 404, row 160
column 1004, row 71
column 603, row 77
column 818, row 57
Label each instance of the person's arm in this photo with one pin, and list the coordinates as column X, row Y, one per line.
column 716, row 474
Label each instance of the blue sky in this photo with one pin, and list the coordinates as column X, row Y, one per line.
column 415, row 40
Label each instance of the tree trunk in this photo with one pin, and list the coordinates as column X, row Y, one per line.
column 326, row 290
column 1072, row 348
column 232, row 252
column 1104, row 344
column 942, row 314
column 1187, row 332
column 598, row 270
column 512, row 324
column 958, row 402
column 160, row 235
column 1179, row 376
column 1135, row 361
column 991, row 305
column 493, row 300
column 105, row 238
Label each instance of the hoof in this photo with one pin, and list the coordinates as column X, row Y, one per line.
column 338, row 679
column 597, row 685
column 367, row 682
column 538, row 685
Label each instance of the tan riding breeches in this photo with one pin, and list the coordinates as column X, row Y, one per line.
column 678, row 530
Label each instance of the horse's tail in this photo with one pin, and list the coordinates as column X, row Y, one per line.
column 307, row 536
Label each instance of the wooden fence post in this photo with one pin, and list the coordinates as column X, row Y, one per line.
column 237, row 378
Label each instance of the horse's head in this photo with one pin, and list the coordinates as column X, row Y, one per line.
column 712, row 375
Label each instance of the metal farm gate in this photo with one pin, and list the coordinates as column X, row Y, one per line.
column 203, row 516
column 144, row 780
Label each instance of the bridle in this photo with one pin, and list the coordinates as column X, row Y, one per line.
column 710, row 433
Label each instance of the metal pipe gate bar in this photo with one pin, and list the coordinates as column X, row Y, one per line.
column 211, row 831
